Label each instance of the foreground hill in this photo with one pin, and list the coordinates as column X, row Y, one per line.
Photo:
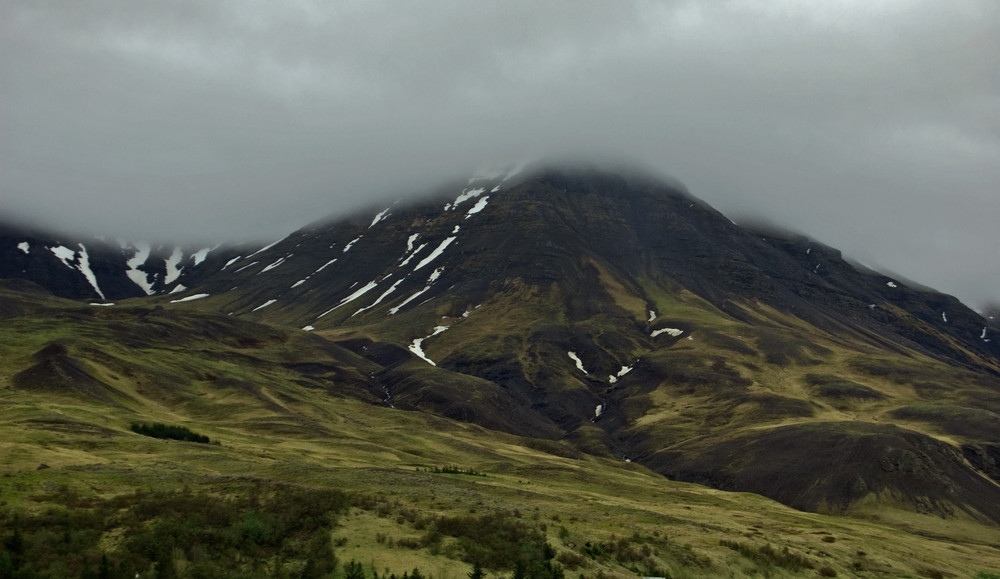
column 558, row 330
column 304, row 448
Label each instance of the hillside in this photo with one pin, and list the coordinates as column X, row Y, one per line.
column 591, row 342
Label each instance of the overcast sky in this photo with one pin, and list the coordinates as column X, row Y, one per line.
column 870, row 125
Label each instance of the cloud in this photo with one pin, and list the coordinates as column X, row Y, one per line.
column 873, row 126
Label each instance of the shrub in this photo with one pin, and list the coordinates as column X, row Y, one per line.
column 159, row 430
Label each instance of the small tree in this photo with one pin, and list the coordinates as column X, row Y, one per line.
column 353, row 570
column 477, row 572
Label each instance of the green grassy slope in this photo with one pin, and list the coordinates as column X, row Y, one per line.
column 297, row 415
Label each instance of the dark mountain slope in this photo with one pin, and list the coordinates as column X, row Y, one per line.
column 624, row 316
column 93, row 269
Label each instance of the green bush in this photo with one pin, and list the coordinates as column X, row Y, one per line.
column 159, row 430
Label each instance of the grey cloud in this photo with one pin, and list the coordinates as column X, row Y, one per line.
column 872, row 126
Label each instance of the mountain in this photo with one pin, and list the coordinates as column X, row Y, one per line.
column 585, row 313
column 94, row 269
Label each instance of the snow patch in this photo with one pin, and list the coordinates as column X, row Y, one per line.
column 23, row 246
column 983, row 335
column 173, row 272
column 263, row 305
column 298, row 283
column 409, row 242
column 324, row 266
column 380, row 217
column 430, row 281
column 479, row 206
column 367, row 288
column 437, row 252
column 652, row 316
column 308, row 328
column 190, row 298
column 87, row 272
column 265, row 248
column 380, row 298
column 417, row 346
column 251, row 264
column 891, row 284
column 614, row 377
column 200, row 255
column 466, row 195
column 65, row 254
column 579, row 363
column 672, row 331
column 139, row 277
column 415, row 252
column 351, row 244
column 105, row 305
column 178, row 289
column 944, row 316
column 274, row 265
column 232, row 261
column 599, row 411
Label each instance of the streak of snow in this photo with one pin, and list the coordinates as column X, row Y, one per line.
column 466, row 195
column 190, row 298
column 430, row 281
column 466, row 313
column 65, row 254
column 808, row 251
column 263, row 305
column 891, row 284
column 87, row 272
column 351, row 244
column 415, row 252
column 265, row 248
column 308, row 328
column 200, row 255
column 173, row 272
column 298, row 283
column 379, row 217
column 380, row 298
column 417, row 346
column 324, row 266
column 232, row 261
column 274, row 265
column 434, row 254
column 579, row 363
column 367, row 288
column 23, row 246
column 944, row 316
column 178, row 289
column 672, row 331
column 652, row 316
column 983, row 335
column 614, row 377
column 409, row 242
column 139, row 277
column 251, row 264
column 495, row 189
column 599, row 411
column 97, row 304
column 479, row 206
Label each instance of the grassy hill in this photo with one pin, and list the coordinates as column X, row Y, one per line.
column 311, row 467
